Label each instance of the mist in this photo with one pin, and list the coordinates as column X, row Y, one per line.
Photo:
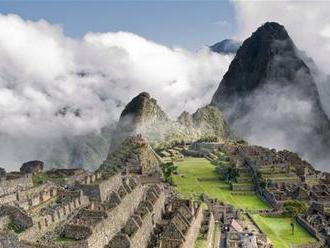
column 310, row 30
column 55, row 89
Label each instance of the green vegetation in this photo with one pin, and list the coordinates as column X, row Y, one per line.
column 13, row 227
column 293, row 208
column 278, row 230
column 208, row 139
column 42, row 178
column 168, row 170
column 198, row 175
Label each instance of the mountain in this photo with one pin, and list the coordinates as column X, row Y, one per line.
column 227, row 46
column 142, row 115
column 270, row 97
column 206, row 121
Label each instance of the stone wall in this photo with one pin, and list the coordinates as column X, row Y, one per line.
column 12, row 185
column 242, row 187
column 193, row 231
column 270, row 199
column 47, row 222
column 308, row 228
column 104, row 231
column 153, row 178
column 36, row 195
column 98, row 191
column 142, row 236
column 205, row 146
column 217, row 208
column 210, row 232
column 207, row 228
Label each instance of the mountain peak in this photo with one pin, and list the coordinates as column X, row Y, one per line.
column 139, row 104
column 227, row 46
column 272, row 29
column 268, row 55
column 140, row 112
column 266, row 76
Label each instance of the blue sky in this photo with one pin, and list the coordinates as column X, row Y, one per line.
column 189, row 24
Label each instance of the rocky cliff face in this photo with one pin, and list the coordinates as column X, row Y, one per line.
column 269, row 95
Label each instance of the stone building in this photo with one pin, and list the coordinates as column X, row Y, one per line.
column 180, row 225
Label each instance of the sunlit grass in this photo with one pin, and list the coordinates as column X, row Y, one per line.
column 278, row 230
column 198, row 175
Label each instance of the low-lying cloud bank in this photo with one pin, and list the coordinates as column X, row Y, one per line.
column 54, row 87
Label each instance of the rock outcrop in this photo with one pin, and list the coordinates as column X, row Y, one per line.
column 269, row 90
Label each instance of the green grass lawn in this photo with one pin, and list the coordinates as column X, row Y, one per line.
column 197, row 176
column 278, row 230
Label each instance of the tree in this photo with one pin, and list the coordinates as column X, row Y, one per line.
column 294, row 207
column 231, row 174
column 168, row 170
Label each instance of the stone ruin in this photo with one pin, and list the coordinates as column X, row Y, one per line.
column 179, row 226
column 317, row 222
column 134, row 156
column 107, row 209
column 284, row 174
column 92, row 209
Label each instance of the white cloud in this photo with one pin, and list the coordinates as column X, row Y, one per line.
column 53, row 86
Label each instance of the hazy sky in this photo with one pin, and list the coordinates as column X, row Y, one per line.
column 189, row 24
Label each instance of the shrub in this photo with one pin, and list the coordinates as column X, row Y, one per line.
column 294, row 207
